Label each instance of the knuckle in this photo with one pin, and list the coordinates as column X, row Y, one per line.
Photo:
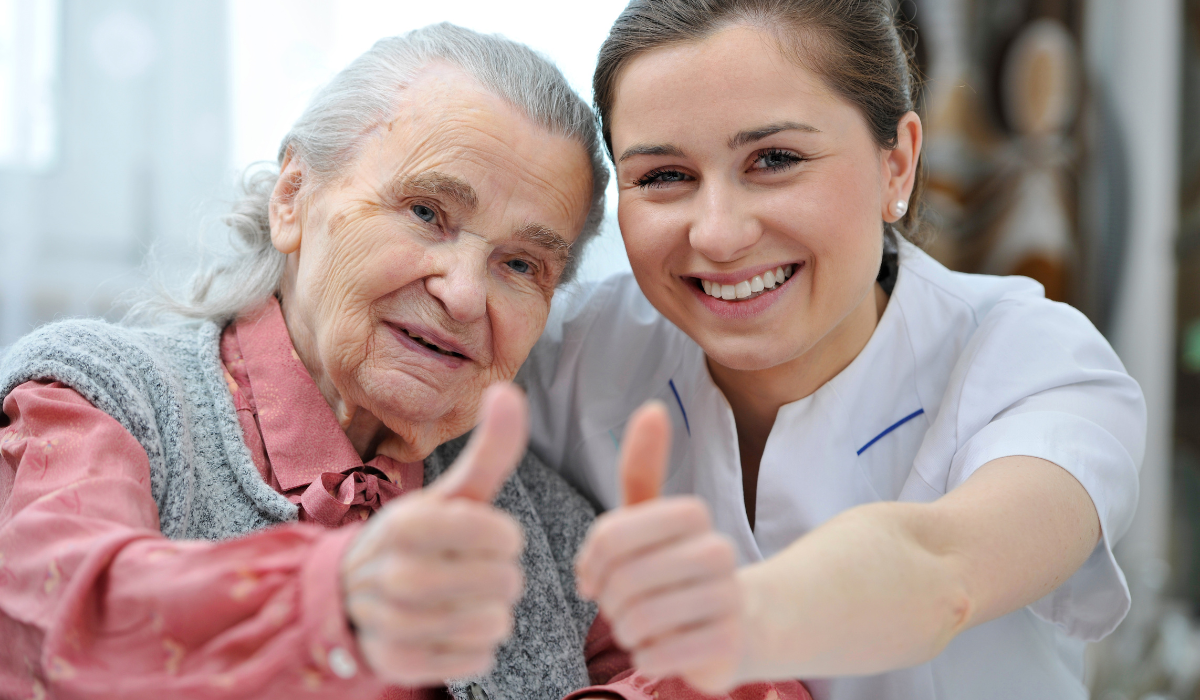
column 496, row 624
column 510, row 536
column 624, row 633
column 620, row 583
column 696, row 513
column 512, row 582
column 410, row 580
column 718, row 551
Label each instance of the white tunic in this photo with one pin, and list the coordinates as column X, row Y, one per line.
column 961, row 370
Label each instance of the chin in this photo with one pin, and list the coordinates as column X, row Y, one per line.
column 743, row 356
column 406, row 399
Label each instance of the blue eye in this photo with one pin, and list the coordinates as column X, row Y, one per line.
column 424, row 213
column 660, row 177
column 775, row 160
column 520, row 267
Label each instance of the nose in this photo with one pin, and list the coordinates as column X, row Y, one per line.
column 721, row 232
column 461, row 281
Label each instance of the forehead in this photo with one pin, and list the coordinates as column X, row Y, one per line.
column 740, row 68
column 447, row 123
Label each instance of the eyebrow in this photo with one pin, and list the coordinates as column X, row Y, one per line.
column 432, row 183
column 736, row 141
column 645, row 149
column 547, row 239
column 751, row 135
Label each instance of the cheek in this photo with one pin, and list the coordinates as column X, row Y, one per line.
column 372, row 259
column 834, row 216
column 516, row 326
column 361, row 263
column 651, row 233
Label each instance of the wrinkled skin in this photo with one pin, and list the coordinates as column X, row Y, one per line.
column 453, row 224
column 363, row 265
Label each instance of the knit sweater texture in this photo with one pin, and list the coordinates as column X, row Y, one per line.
column 165, row 386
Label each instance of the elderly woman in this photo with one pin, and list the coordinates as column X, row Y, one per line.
column 182, row 506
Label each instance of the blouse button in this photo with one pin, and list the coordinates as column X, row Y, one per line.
column 342, row 663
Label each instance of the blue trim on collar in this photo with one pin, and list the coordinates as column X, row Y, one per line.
column 895, row 425
column 679, row 401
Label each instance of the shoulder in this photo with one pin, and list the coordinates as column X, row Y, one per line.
column 611, row 314
column 606, row 342
column 113, row 366
column 958, row 296
column 954, row 318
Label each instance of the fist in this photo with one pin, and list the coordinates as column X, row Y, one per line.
column 664, row 579
column 431, row 581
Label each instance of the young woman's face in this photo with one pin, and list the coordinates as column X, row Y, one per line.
column 735, row 163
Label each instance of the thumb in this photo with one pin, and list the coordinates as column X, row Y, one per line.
column 644, row 453
column 494, row 449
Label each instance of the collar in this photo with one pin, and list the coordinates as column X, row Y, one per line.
column 300, row 433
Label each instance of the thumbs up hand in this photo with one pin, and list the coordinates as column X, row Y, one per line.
column 663, row 578
column 430, row 582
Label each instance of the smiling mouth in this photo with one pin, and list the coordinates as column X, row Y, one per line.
column 432, row 346
column 752, row 288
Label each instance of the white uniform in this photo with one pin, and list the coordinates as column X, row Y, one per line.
column 961, row 370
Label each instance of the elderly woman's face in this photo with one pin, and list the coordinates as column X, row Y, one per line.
column 425, row 274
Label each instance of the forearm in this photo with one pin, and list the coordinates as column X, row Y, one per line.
column 888, row 585
column 859, row 595
column 129, row 611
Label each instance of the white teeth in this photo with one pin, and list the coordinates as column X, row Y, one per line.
column 748, row 288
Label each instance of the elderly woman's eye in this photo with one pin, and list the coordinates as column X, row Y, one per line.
column 520, row 267
column 424, row 213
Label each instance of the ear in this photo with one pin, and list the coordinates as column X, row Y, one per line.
column 284, row 210
column 900, row 166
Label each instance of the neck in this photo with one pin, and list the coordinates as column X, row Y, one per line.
column 365, row 431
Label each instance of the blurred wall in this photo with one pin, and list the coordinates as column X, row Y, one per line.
column 143, row 131
column 1135, row 54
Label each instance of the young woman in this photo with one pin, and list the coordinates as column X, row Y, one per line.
column 921, row 473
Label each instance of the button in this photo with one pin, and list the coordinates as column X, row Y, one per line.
column 342, row 663
column 477, row 692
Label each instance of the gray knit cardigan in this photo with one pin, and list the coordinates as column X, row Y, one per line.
column 165, row 386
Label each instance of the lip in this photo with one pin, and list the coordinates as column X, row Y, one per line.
column 734, row 310
column 450, row 362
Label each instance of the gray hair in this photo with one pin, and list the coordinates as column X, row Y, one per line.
column 329, row 132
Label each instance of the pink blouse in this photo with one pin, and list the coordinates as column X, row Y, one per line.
column 94, row 601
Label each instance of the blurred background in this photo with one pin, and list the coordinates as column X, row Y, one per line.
column 1062, row 145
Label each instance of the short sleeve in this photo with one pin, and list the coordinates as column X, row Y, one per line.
column 1038, row 380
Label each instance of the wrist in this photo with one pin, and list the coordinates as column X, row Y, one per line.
column 759, row 624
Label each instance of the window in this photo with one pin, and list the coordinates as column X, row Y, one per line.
column 29, row 48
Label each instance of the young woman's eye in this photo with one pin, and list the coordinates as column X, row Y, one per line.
column 521, row 267
column 658, row 178
column 774, row 160
column 424, row 213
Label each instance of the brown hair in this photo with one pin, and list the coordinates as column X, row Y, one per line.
column 856, row 46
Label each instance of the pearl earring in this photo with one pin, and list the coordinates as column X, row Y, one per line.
column 900, row 208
